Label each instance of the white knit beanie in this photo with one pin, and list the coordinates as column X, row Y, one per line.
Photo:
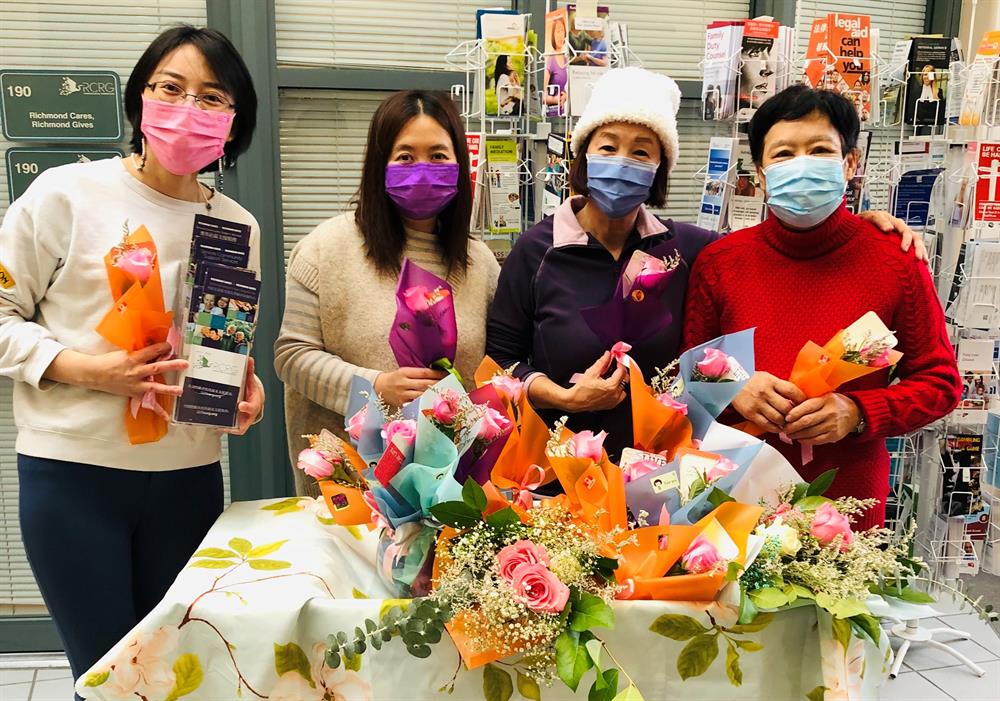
column 636, row 96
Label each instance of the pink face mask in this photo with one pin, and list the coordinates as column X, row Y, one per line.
column 184, row 138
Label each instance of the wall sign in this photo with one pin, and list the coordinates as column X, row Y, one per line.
column 26, row 164
column 38, row 105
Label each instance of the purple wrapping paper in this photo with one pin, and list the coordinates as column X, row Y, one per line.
column 479, row 467
column 422, row 335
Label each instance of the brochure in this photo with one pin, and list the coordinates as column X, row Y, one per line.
column 503, row 36
column 746, row 207
column 758, row 66
column 590, row 57
column 718, row 181
column 927, row 84
column 555, row 84
column 504, row 208
column 721, row 69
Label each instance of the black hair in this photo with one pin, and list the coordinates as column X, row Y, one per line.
column 800, row 101
column 229, row 69
column 500, row 68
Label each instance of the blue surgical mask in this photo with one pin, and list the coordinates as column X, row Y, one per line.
column 805, row 190
column 618, row 184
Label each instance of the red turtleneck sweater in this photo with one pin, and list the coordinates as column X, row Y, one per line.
column 806, row 286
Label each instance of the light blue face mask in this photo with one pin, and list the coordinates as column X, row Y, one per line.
column 618, row 184
column 803, row 191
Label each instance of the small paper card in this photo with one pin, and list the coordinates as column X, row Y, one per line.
column 694, row 465
column 871, row 326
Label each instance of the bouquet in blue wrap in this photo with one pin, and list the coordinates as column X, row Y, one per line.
column 712, row 374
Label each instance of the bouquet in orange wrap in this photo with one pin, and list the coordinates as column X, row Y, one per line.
column 137, row 319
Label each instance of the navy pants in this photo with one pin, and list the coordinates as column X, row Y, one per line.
column 106, row 544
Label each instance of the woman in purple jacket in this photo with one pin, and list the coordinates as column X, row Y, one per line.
column 624, row 147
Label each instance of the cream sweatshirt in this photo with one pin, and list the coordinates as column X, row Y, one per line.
column 54, row 291
column 338, row 314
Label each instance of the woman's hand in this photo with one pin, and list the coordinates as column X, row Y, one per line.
column 118, row 372
column 252, row 406
column 594, row 392
column 406, row 384
column 825, row 419
column 766, row 400
column 890, row 224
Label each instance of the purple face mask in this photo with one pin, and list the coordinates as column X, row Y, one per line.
column 421, row 190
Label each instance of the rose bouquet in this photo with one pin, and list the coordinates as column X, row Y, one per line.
column 424, row 333
column 338, row 469
column 712, row 374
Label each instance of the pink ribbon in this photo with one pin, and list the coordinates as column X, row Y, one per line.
column 522, row 493
column 807, row 450
column 619, row 353
column 148, row 400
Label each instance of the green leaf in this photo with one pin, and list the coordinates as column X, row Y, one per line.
column 214, row 564
column 358, row 594
column 697, row 656
column 269, row 565
column 868, row 625
column 733, row 571
column 241, row 545
column 841, row 608
column 733, row 670
column 591, row 612
column 800, row 491
column 282, row 505
column 456, row 514
column 749, row 645
column 816, row 694
column 594, row 650
column 96, row 679
column 842, row 631
column 528, row 687
column 353, row 663
column 503, row 518
column 718, row 497
column 388, row 605
column 747, row 609
column 812, row 503
column 756, row 624
column 421, row 652
column 473, row 495
column 217, row 553
column 188, row 676
column 262, row 550
column 768, row 598
column 821, row 484
column 907, row 594
column 677, row 626
column 697, row 487
column 572, row 659
column 630, row 693
column 332, row 659
column 497, row 685
column 291, row 658
column 605, row 686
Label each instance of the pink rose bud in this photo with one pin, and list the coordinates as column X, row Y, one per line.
column 587, row 446
column 721, row 468
column 493, row 425
column 881, row 360
column 315, row 463
column 447, row 407
column 137, row 263
column 355, row 423
column 417, row 298
column 652, row 271
column 715, row 364
column 701, row 557
column 539, row 589
column 828, row 523
column 509, row 387
column 668, row 401
column 523, row 552
column 404, row 428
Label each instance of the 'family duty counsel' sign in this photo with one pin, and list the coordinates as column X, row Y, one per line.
column 37, row 105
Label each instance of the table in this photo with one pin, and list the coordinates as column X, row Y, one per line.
column 249, row 616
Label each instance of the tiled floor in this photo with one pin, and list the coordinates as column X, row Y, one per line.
column 927, row 674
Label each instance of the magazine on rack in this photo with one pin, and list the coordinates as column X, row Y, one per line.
column 503, row 176
column 721, row 69
column 555, row 80
column 503, row 36
column 856, row 185
column 962, row 461
column 979, row 380
column 758, row 66
column 719, row 176
column 746, row 206
column 980, row 81
column 927, row 82
column 975, row 304
column 590, row 57
column 892, row 79
column 556, row 175
column 839, row 58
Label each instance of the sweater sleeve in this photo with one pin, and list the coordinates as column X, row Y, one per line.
column 28, row 261
column 301, row 358
column 930, row 385
column 511, row 323
column 701, row 317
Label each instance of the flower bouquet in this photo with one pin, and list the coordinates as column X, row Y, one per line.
column 712, row 374
column 424, row 333
column 338, row 469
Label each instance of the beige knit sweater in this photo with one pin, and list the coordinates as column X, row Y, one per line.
column 338, row 313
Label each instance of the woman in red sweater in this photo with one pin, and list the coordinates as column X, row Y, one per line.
column 809, row 270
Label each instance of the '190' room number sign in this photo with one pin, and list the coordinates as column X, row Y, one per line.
column 50, row 106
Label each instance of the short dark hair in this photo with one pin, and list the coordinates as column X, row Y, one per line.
column 228, row 67
column 378, row 220
column 798, row 101
column 578, row 175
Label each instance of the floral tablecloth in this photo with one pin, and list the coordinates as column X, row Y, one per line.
column 249, row 616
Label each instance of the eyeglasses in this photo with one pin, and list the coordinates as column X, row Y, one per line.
column 172, row 92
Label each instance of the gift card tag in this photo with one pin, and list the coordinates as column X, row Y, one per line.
column 871, row 326
column 390, row 463
column 665, row 482
column 736, row 373
column 636, row 463
column 694, row 465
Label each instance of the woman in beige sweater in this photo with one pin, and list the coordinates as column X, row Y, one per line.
column 414, row 202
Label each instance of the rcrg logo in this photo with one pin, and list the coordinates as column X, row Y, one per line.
column 70, row 86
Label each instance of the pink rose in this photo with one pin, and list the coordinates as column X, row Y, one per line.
column 509, row 387
column 539, row 589
column 355, row 423
column 315, row 463
column 881, row 360
column 588, row 446
column 640, row 468
column 668, row 401
column 715, row 365
column 828, row 523
column 652, row 271
column 417, row 298
column 136, row 262
column 721, row 468
column 493, row 425
column 701, row 557
column 523, row 552
column 447, row 407
column 405, row 428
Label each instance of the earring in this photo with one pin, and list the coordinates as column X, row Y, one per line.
column 218, row 175
column 142, row 158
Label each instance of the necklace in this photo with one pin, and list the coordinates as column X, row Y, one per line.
column 201, row 187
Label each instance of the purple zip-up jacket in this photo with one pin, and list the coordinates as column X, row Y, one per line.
column 555, row 270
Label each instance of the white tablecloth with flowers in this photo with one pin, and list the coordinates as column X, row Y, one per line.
column 249, row 616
